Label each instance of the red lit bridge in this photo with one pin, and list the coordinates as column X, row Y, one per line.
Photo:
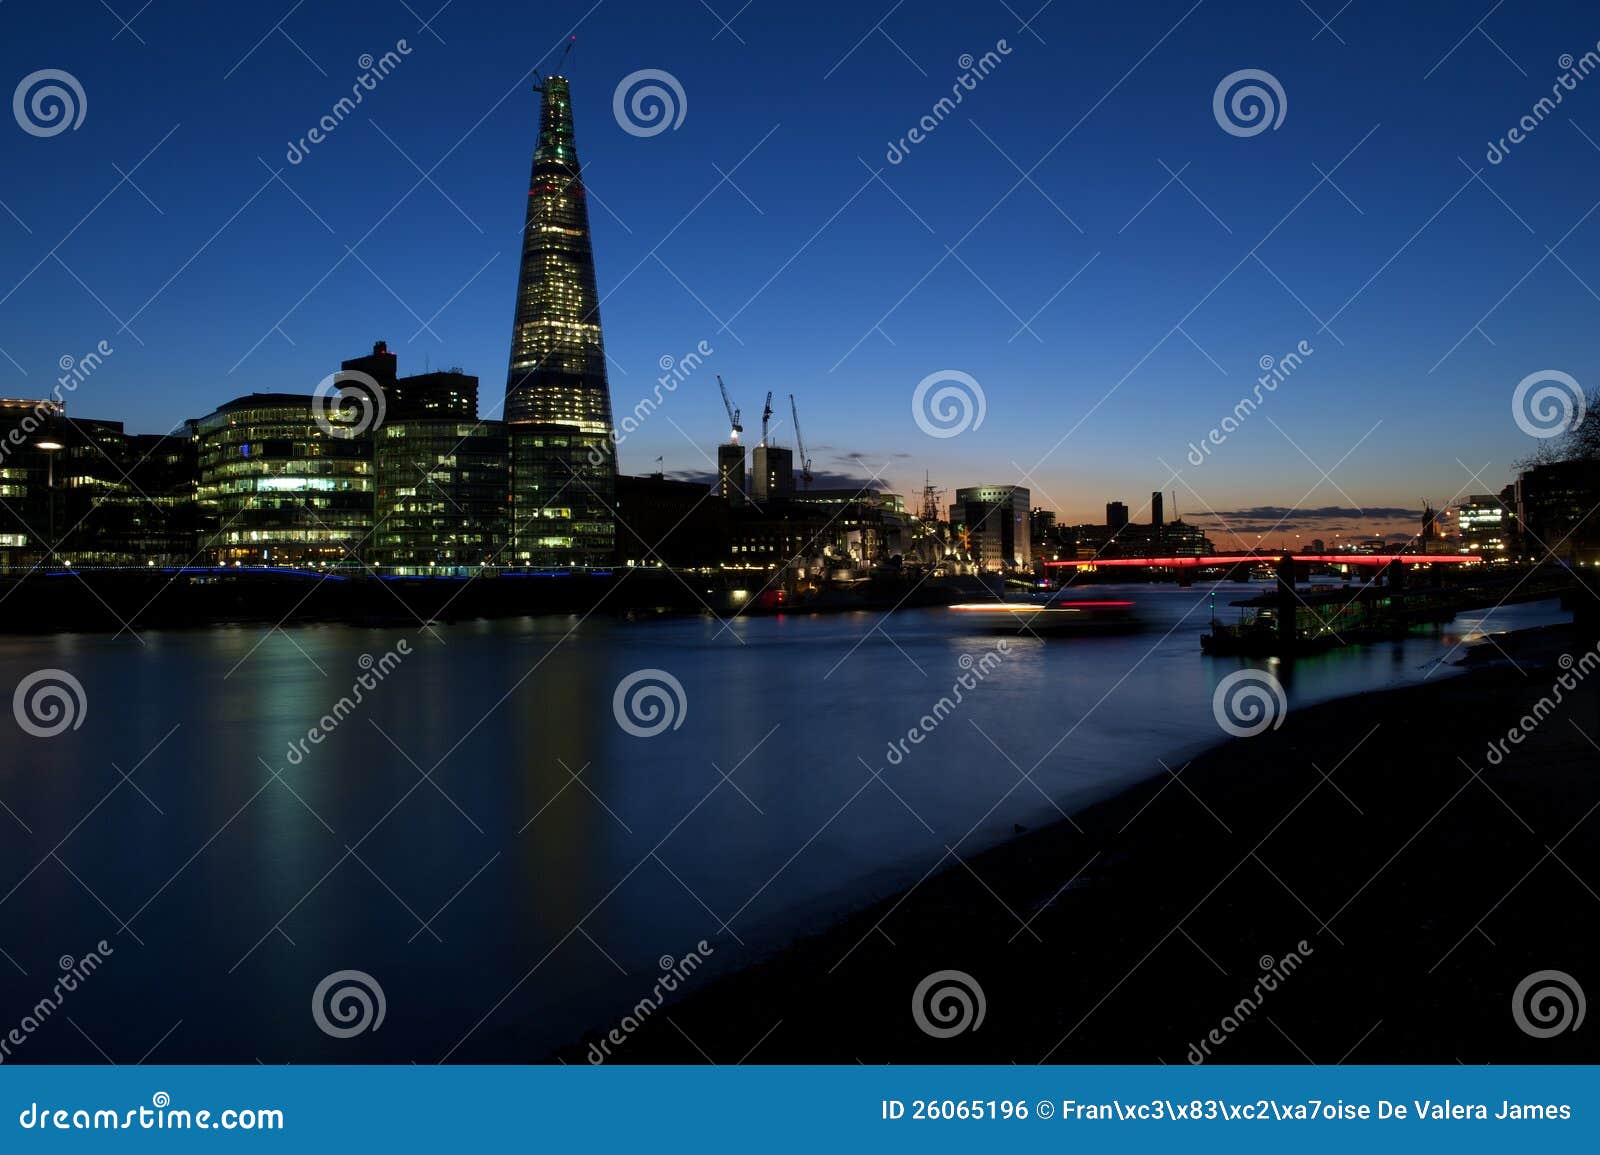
column 1217, row 561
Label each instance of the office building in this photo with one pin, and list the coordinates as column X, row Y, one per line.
column 557, row 396
column 993, row 522
column 443, row 495
column 772, row 479
column 282, row 488
column 730, row 473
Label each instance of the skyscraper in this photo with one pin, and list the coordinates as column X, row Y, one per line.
column 558, row 402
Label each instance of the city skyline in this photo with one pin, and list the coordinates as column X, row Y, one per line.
column 800, row 257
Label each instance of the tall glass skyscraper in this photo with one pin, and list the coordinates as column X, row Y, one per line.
column 558, row 402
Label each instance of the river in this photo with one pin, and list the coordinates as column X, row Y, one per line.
column 483, row 837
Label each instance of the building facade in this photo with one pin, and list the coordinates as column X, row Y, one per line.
column 772, row 476
column 563, row 495
column 1553, row 504
column 1485, row 525
column 730, row 473
column 442, row 496
column 992, row 521
column 282, row 486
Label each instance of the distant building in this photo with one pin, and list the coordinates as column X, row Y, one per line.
column 283, row 490
column 730, row 473
column 440, row 393
column 671, row 523
column 1157, row 517
column 1485, row 525
column 1042, row 536
column 1116, row 515
column 994, row 521
column 855, row 526
column 86, row 493
column 1180, row 539
column 772, row 478
column 799, row 532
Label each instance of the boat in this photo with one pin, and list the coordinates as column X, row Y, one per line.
column 1065, row 613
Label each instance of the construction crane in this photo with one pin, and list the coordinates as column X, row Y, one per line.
column 800, row 446
column 538, row 80
column 733, row 414
column 766, row 416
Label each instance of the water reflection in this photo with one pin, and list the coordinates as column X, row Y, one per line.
column 482, row 837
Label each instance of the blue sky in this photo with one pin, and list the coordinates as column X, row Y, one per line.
column 808, row 274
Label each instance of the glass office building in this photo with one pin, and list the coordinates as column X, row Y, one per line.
column 281, row 488
column 443, row 495
column 558, row 400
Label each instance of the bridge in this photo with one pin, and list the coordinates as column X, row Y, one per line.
column 1216, row 561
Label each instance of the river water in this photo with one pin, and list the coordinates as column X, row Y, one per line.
column 483, row 837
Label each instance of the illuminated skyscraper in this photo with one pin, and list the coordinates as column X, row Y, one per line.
column 558, row 403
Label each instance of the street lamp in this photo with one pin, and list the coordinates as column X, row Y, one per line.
column 50, row 449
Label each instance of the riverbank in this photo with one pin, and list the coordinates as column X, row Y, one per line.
column 1364, row 884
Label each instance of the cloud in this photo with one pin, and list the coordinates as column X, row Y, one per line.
column 1270, row 518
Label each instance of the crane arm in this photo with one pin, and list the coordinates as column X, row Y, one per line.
column 733, row 414
column 800, row 444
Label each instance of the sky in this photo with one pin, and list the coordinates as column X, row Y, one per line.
column 1081, row 236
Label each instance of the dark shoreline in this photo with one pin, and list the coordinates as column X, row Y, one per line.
column 1423, row 896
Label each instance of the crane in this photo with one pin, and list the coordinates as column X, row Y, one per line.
column 733, row 414
column 800, row 446
column 766, row 416
column 538, row 80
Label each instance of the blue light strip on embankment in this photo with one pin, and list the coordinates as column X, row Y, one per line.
column 809, row 1109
